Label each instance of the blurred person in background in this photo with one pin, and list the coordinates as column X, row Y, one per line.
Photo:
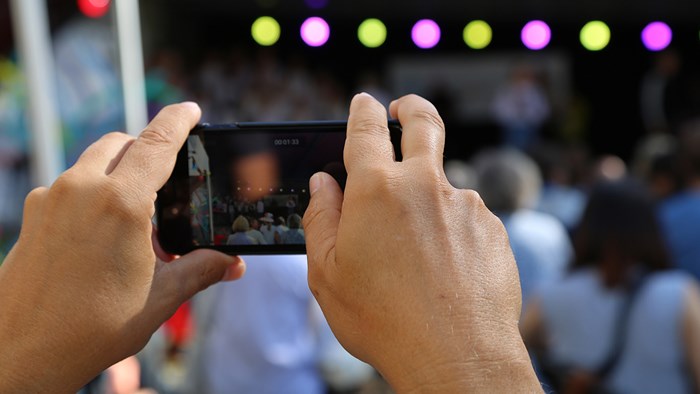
column 281, row 225
column 460, row 174
column 620, row 321
column 254, row 232
column 510, row 183
column 654, row 91
column 295, row 233
column 521, row 107
column 562, row 194
column 239, row 235
column 267, row 335
column 656, row 162
column 680, row 213
column 608, row 168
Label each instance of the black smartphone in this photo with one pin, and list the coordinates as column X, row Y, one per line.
column 242, row 188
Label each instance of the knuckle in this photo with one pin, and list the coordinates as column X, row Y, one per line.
column 67, row 185
column 155, row 135
column 432, row 176
column 316, row 279
column 377, row 183
column 482, row 214
column 369, row 124
column 473, row 199
column 35, row 197
column 312, row 215
column 122, row 204
column 431, row 117
column 117, row 136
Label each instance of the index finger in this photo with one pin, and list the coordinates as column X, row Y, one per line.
column 423, row 129
column 367, row 140
column 149, row 161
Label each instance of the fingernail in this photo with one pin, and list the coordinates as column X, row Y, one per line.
column 315, row 183
column 234, row 271
column 365, row 94
column 190, row 104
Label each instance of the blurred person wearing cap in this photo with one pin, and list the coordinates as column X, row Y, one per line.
column 268, row 228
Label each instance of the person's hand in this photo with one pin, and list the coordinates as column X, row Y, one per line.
column 414, row 276
column 83, row 287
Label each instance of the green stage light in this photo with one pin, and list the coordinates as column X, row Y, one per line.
column 372, row 33
column 266, row 31
column 477, row 34
column 595, row 35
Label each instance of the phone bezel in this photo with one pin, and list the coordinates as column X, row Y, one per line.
column 170, row 242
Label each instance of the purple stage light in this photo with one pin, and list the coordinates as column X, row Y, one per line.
column 425, row 33
column 657, row 36
column 316, row 4
column 536, row 35
column 315, row 31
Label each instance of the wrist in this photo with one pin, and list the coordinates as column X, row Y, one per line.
column 474, row 363
column 33, row 357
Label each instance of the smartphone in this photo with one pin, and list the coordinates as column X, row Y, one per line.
column 243, row 189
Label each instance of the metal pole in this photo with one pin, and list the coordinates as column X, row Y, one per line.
column 128, row 23
column 31, row 28
column 211, row 210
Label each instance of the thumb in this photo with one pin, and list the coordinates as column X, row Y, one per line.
column 200, row 269
column 321, row 219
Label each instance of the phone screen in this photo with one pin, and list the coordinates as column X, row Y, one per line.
column 243, row 188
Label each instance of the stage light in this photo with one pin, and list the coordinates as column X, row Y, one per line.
column 656, row 36
column 425, row 33
column 595, row 35
column 315, row 31
column 316, row 4
column 477, row 34
column 536, row 35
column 371, row 33
column 265, row 31
column 93, row 8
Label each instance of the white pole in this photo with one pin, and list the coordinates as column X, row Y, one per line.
column 31, row 28
column 131, row 61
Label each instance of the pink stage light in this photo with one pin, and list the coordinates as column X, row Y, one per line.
column 656, row 36
column 536, row 35
column 425, row 33
column 315, row 31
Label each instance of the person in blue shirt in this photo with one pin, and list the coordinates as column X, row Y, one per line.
column 680, row 213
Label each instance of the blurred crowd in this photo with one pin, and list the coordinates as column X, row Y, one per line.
column 607, row 251
column 608, row 258
column 238, row 86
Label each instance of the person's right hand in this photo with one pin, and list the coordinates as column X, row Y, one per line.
column 415, row 277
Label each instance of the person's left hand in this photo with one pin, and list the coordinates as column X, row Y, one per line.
column 83, row 288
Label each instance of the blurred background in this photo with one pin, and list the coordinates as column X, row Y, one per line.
column 548, row 98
